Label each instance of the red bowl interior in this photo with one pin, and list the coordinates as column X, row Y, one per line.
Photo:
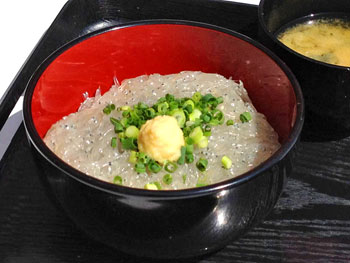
column 161, row 48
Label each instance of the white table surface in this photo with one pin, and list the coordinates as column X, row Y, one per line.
column 23, row 23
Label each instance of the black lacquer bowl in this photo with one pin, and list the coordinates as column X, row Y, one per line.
column 163, row 224
column 326, row 87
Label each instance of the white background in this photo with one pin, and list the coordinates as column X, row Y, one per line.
column 23, row 22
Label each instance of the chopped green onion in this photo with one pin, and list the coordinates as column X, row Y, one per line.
column 133, row 157
column 167, row 179
column 151, row 186
column 159, row 187
column 219, row 100
column 117, row 180
column 184, row 177
column 114, row 142
column 189, row 141
column 208, row 97
column 113, row 120
column 108, row 109
column 218, row 116
column 142, row 106
column 189, row 148
column 162, row 107
column 118, row 127
column 226, row 162
column 160, row 100
column 196, row 123
column 229, row 122
column 129, row 143
column 132, row 132
column 187, row 114
column 124, row 122
column 140, row 167
column 188, row 102
column 169, row 97
column 212, row 103
column 173, row 105
column 126, row 114
column 214, row 122
column 134, row 118
column 154, row 167
column 170, row 167
column 150, row 113
column 207, row 130
column 186, row 130
column 189, row 158
column 181, row 160
column 207, row 134
column 197, row 96
column 188, row 105
column 179, row 115
column 196, row 134
column 202, row 164
column 188, row 109
column 203, row 142
column 143, row 158
column 206, row 117
column 196, row 114
column 125, row 108
column 245, row 117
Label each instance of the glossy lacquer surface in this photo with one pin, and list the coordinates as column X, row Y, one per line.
column 310, row 222
column 161, row 227
column 325, row 87
column 183, row 223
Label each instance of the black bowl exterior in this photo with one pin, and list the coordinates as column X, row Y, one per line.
column 166, row 227
column 326, row 88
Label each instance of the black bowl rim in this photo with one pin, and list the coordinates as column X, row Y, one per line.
column 279, row 43
column 40, row 146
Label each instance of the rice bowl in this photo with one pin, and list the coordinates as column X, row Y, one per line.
column 189, row 222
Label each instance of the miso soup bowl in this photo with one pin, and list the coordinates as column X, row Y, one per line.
column 163, row 224
column 326, row 87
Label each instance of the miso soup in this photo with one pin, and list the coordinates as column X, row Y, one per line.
column 322, row 39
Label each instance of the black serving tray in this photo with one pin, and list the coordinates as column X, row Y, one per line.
column 310, row 223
